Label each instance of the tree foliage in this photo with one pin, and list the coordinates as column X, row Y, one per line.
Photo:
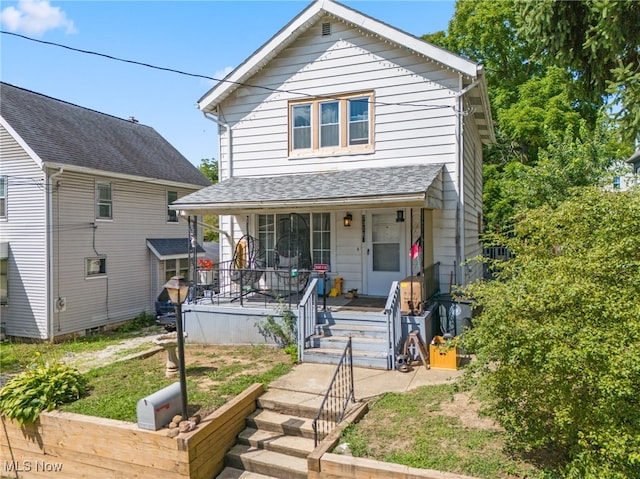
column 558, row 337
column 598, row 40
column 209, row 168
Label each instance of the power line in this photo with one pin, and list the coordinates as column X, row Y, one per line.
column 197, row 75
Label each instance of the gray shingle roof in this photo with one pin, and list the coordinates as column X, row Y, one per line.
column 348, row 185
column 162, row 247
column 63, row 133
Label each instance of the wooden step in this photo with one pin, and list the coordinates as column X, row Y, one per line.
column 281, row 423
column 364, row 359
column 266, row 462
column 291, row 403
column 233, row 473
column 277, row 442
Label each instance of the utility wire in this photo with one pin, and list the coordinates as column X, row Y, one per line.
column 197, row 75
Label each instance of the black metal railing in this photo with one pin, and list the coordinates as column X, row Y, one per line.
column 431, row 278
column 336, row 401
column 256, row 286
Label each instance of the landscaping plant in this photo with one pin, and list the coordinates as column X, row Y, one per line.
column 283, row 330
column 557, row 341
column 41, row 387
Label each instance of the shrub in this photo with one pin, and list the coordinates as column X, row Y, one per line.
column 41, row 387
column 283, row 330
column 558, row 339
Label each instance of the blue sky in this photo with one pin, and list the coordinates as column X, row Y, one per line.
column 205, row 37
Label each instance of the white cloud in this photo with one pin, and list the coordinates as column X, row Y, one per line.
column 35, row 17
column 220, row 74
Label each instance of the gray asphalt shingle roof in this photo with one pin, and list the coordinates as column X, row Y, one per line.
column 162, row 247
column 357, row 184
column 65, row 134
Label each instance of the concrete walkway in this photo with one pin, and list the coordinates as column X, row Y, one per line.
column 368, row 383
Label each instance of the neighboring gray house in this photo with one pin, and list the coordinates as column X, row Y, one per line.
column 634, row 161
column 86, row 235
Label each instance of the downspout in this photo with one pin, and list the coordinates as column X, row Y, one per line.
column 49, row 243
column 460, row 234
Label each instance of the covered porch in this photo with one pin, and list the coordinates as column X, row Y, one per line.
column 311, row 242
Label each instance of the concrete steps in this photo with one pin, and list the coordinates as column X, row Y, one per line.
column 369, row 339
column 277, row 438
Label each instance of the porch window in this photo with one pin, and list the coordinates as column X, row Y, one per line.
column 172, row 215
column 104, row 205
column 339, row 124
column 311, row 231
column 3, row 197
column 96, row 266
column 176, row 267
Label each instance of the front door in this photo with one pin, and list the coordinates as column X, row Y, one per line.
column 386, row 251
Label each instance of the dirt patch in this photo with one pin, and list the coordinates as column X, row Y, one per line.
column 466, row 410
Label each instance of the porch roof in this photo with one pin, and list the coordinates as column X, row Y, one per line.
column 171, row 248
column 412, row 185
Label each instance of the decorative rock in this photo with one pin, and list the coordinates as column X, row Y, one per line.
column 173, row 432
column 196, row 418
column 172, row 425
column 186, row 426
column 177, row 419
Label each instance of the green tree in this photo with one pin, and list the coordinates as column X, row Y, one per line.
column 557, row 341
column 209, row 168
column 599, row 42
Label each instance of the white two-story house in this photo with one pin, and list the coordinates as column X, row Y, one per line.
column 357, row 142
column 87, row 238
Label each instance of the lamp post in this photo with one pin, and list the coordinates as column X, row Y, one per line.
column 178, row 288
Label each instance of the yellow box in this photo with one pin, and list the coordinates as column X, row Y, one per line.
column 442, row 360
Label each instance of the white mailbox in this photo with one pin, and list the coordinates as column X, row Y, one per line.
column 156, row 410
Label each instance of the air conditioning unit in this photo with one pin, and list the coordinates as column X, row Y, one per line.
column 60, row 305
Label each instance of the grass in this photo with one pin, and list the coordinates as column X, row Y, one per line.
column 15, row 355
column 411, row 429
column 212, row 379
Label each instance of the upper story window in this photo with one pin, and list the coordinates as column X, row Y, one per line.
column 3, row 196
column 172, row 215
column 104, row 204
column 340, row 124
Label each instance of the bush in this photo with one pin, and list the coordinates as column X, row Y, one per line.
column 558, row 339
column 41, row 387
column 284, row 331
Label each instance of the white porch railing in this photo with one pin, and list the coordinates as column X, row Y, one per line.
column 394, row 324
column 307, row 316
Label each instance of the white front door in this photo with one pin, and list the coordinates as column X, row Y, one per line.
column 385, row 251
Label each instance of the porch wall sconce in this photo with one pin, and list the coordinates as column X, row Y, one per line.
column 347, row 220
column 400, row 216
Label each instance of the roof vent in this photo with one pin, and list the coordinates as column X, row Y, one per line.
column 326, row 29
column 132, row 119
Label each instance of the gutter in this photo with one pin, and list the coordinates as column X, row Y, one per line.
column 458, row 269
column 212, row 118
column 49, row 243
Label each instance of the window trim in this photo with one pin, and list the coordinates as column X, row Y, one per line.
column 103, row 267
column 172, row 215
column 100, row 202
column 4, row 186
column 344, row 123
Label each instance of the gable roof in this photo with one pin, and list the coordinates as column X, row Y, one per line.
column 469, row 70
column 64, row 135
column 397, row 185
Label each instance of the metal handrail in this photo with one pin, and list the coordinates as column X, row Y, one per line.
column 336, row 400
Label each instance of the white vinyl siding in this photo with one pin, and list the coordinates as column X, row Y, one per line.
column 25, row 231
column 414, row 99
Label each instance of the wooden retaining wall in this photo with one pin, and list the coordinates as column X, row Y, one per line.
column 68, row 445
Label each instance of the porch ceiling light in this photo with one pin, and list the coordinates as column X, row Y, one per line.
column 347, row 219
column 400, row 216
